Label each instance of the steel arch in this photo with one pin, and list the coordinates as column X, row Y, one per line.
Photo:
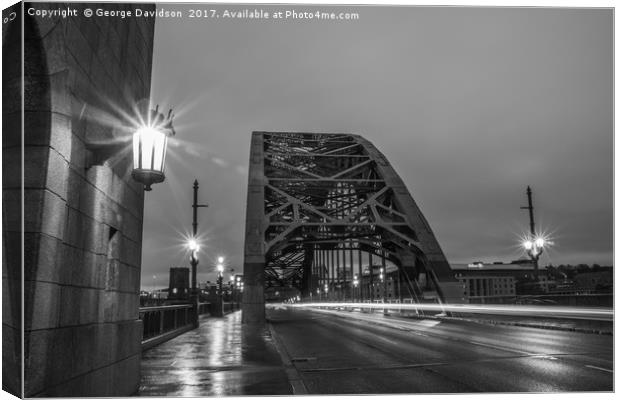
column 313, row 193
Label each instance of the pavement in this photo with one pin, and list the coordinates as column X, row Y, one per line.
column 317, row 352
column 217, row 359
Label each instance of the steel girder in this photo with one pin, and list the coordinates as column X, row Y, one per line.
column 310, row 192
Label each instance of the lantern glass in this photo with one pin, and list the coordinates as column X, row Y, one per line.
column 149, row 153
column 149, row 148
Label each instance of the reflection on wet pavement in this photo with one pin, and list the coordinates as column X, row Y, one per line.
column 217, row 359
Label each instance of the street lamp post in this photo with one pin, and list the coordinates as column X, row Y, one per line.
column 232, row 288
column 193, row 260
column 194, row 247
column 237, row 284
column 220, row 295
column 383, row 278
column 533, row 244
column 383, row 281
column 534, row 248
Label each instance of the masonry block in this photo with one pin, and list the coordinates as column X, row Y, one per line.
column 85, row 312
column 43, row 255
column 131, row 253
column 11, row 100
column 75, row 182
column 11, row 133
column 45, row 212
column 37, row 128
column 12, row 200
column 11, row 359
column 35, row 158
column 88, row 270
column 132, row 227
column 11, row 316
column 58, row 174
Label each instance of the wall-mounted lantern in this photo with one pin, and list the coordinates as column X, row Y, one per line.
column 149, row 148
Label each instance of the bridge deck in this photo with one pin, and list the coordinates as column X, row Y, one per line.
column 322, row 351
column 339, row 352
column 216, row 359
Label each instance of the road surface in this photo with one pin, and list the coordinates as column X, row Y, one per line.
column 331, row 352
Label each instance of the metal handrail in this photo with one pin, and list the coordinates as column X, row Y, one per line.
column 170, row 307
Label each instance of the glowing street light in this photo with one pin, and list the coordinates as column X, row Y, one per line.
column 534, row 248
column 220, row 278
column 194, row 248
column 193, row 245
column 149, row 148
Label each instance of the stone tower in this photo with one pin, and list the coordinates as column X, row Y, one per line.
column 75, row 219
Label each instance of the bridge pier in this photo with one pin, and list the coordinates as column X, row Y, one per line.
column 253, row 305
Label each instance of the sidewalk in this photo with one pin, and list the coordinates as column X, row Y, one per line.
column 217, row 359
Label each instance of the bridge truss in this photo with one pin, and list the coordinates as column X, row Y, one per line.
column 328, row 215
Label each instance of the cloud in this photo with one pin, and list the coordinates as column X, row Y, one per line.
column 219, row 162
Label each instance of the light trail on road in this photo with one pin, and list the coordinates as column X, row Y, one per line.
column 598, row 314
column 337, row 352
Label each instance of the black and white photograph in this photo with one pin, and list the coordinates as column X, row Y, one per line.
column 209, row 199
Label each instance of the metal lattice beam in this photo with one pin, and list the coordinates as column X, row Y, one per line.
column 313, row 193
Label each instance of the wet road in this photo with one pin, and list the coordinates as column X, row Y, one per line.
column 217, row 359
column 363, row 353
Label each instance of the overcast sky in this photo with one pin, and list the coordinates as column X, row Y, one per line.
column 470, row 105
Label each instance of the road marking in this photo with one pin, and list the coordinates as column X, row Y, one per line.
column 174, row 362
column 373, row 367
column 600, row 369
column 303, row 359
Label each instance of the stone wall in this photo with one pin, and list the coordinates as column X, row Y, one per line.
column 11, row 202
column 83, row 213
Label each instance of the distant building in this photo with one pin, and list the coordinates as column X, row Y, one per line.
column 496, row 282
column 178, row 287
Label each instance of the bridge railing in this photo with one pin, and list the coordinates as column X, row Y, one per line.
column 162, row 323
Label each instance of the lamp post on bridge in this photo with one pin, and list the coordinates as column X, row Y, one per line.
column 533, row 244
column 194, row 248
column 219, row 311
